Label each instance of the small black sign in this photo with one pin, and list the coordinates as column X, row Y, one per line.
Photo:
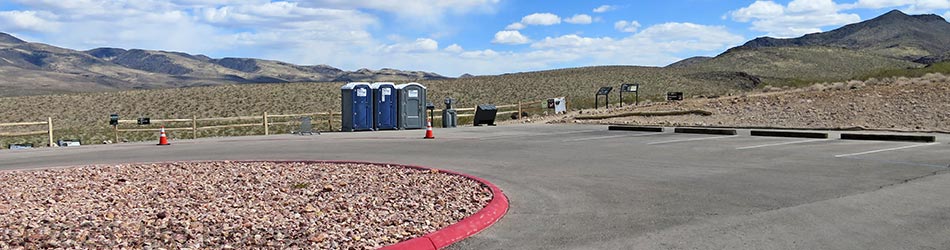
column 144, row 121
column 551, row 103
column 604, row 90
column 629, row 87
column 674, row 96
column 114, row 119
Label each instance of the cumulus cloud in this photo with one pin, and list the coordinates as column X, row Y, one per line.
column 625, row 26
column 454, row 48
column 428, row 11
column 515, row 26
column 544, row 19
column 913, row 6
column 341, row 33
column 580, row 19
column 799, row 17
column 604, row 8
column 420, row 45
column 510, row 37
column 569, row 41
column 28, row 21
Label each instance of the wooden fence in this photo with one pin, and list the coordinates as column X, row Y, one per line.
column 241, row 121
column 520, row 107
column 48, row 131
column 263, row 120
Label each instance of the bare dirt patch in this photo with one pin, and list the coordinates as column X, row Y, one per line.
column 230, row 205
column 902, row 104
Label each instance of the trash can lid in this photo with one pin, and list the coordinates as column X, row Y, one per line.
column 353, row 85
column 401, row 86
column 377, row 85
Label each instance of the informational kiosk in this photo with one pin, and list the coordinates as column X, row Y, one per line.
column 385, row 107
column 357, row 105
column 412, row 106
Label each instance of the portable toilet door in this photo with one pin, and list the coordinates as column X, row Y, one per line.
column 357, row 107
column 384, row 106
column 412, row 110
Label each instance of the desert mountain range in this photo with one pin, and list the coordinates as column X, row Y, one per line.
column 892, row 40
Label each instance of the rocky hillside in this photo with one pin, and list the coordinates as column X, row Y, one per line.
column 891, row 41
column 895, row 34
column 34, row 68
column 898, row 103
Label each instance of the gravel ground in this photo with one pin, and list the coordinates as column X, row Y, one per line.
column 901, row 104
column 230, row 205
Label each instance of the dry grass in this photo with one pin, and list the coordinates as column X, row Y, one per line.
column 85, row 116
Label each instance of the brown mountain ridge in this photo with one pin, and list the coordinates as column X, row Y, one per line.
column 35, row 68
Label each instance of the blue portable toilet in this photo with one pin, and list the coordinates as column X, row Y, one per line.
column 384, row 106
column 357, row 113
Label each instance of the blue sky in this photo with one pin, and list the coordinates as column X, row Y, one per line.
column 449, row 37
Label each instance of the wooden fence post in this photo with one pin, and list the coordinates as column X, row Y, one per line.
column 330, row 121
column 266, row 129
column 49, row 122
column 519, row 110
column 115, row 131
column 194, row 127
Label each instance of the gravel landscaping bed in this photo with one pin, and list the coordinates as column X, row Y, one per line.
column 230, row 205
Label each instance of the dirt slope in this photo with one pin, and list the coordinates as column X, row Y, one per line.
column 917, row 104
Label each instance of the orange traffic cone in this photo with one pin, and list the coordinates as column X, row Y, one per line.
column 429, row 134
column 162, row 139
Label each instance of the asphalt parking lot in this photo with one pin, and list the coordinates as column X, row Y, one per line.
column 584, row 187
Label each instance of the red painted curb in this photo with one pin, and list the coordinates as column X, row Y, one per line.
column 441, row 238
column 444, row 237
column 469, row 226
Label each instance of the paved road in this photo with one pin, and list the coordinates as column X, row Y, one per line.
column 583, row 187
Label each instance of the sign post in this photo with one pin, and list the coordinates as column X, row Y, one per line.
column 630, row 87
column 603, row 91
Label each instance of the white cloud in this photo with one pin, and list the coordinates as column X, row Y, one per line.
column 420, row 45
column 427, row 11
column 515, row 26
column 569, row 41
column 454, row 48
column 580, row 19
column 912, row 6
column 343, row 34
column 798, row 18
column 758, row 10
column 625, row 26
column 510, row 37
column 541, row 19
column 604, row 8
column 28, row 21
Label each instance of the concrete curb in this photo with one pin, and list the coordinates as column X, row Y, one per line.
column 886, row 137
column 707, row 131
column 635, row 128
column 773, row 133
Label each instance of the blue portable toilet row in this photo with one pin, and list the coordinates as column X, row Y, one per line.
column 382, row 106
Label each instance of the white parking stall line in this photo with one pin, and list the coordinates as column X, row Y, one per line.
column 692, row 139
column 609, row 137
column 887, row 149
column 533, row 135
column 781, row 143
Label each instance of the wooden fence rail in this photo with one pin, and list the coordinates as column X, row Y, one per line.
column 191, row 124
column 49, row 129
